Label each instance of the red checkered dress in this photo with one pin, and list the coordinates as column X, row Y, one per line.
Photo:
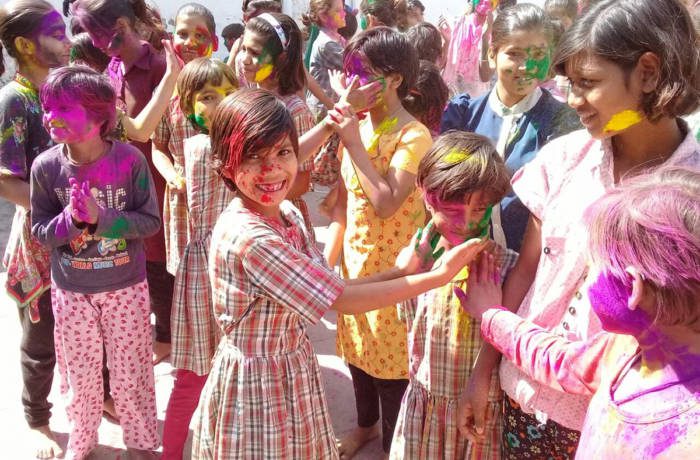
column 172, row 131
column 304, row 121
column 264, row 397
column 195, row 333
column 443, row 344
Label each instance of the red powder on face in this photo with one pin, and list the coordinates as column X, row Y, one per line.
column 266, row 199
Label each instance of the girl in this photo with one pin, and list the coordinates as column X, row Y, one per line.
column 135, row 71
column 264, row 397
column 273, row 59
column 378, row 171
column 644, row 374
column 461, row 178
column 427, row 99
column 34, row 35
column 194, row 37
column 629, row 89
column 203, row 84
column 93, row 202
column 516, row 115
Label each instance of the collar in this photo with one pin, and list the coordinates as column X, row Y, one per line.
column 518, row 109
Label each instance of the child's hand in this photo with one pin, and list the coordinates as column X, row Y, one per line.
column 173, row 63
column 177, row 183
column 89, row 210
column 483, row 287
column 420, row 255
column 359, row 97
column 459, row 256
column 337, row 81
column 343, row 121
column 445, row 29
column 472, row 409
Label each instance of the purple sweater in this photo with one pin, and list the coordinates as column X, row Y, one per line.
column 110, row 255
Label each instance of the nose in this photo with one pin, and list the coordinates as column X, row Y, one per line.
column 575, row 98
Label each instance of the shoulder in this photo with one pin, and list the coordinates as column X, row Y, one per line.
column 48, row 158
column 414, row 130
column 11, row 98
column 460, row 111
column 127, row 154
column 567, row 149
column 241, row 231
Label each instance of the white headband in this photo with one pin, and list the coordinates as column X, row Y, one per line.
column 270, row 19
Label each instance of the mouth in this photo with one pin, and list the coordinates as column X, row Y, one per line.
column 586, row 118
column 271, row 187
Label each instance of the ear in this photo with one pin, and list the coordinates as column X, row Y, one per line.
column 492, row 57
column 25, row 46
column 642, row 295
column 648, row 69
column 394, row 80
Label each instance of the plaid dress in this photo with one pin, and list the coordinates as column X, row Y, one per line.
column 264, row 397
column 195, row 333
column 443, row 343
column 170, row 134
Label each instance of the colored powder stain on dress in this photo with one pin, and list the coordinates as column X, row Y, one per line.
column 623, row 120
column 7, row 133
column 665, row 438
column 384, row 127
column 117, row 229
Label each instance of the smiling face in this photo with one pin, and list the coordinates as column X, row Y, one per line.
column 207, row 99
column 68, row 122
column 604, row 97
column 522, row 62
column 258, row 63
column 265, row 177
column 459, row 221
column 52, row 44
column 192, row 38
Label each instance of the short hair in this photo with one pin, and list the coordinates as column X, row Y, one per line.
column 427, row 99
column 20, row 18
column 232, row 31
column 652, row 222
column 252, row 8
column 82, row 85
column 103, row 14
column 195, row 9
column 461, row 163
column 416, row 4
column 520, row 17
column 386, row 51
column 621, row 31
column 427, row 40
column 568, row 7
column 248, row 120
column 389, row 12
column 289, row 63
column 198, row 73
column 82, row 51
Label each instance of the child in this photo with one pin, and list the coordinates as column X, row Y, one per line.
column 264, row 396
column 378, row 171
column 93, row 203
column 644, row 373
column 461, row 178
column 516, row 115
column 428, row 42
column 135, row 71
column 427, row 99
column 202, row 85
column 630, row 93
column 415, row 11
column 273, row 59
column 231, row 33
column 563, row 11
column 34, row 35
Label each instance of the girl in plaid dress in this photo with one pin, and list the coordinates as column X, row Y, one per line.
column 461, row 178
column 202, row 86
column 264, row 396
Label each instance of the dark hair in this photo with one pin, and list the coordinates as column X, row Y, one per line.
column 289, row 64
column 20, row 18
column 253, row 8
column 520, row 17
column 386, row 51
column 195, row 9
column 621, row 31
column 503, row 4
column 390, row 13
column 350, row 28
column 103, row 14
column 248, row 120
column 427, row 40
column 461, row 163
column 416, row 4
column 313, row 16
column 568, row 7
column 83, row 52
column 427, row 99
column 84, row 86
column 232, row 31
column 198, row 73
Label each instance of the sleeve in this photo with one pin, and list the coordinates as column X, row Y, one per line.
column 161, row 136
column 13, row 136
column 196, row 151
column 572, row 367
column 52, row 223
column 291, row 278
column 304, row 121
column 332, row 55
column 143, row 219
column 455, row 114
column 413, row 145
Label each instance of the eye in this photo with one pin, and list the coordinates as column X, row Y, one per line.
column 182, row 35
column 284, row 152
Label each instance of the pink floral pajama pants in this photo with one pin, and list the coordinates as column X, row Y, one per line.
column 120, row 320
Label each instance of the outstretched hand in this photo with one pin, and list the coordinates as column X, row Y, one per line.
column 359, row 97
column 460, row 256
column 173, row 62
column 422, row 252
column 483, row 287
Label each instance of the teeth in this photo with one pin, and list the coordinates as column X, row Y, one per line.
column 269, row 188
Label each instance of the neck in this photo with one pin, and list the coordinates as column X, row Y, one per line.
column 507, row 99
column 270, row 84
column 645, row 143
column 389, row 107
column 88, row 150
column 132, row 50
column 675, row 349
column 34, row 73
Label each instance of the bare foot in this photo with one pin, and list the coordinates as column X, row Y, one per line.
column 350, row 444
column 140, row 454
column 161, row 350
column 45, row 444
column 110, row 410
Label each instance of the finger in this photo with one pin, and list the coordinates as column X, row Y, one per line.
column 461, row 295
column 86, row 188
column 434, row 240
column 438, row 253
column 354, row 83
column 72, row 181
column 417, row 238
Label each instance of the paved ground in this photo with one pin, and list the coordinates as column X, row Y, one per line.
column 14, row 444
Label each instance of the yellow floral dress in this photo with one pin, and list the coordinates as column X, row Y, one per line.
column 376, row 341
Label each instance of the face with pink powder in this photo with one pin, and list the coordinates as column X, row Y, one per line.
column 68, row 122
column 459, row 221
column 265, row 177
column 334, row 17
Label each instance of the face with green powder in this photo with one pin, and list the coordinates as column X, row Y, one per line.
column 206, row 100
column 258, row 62
column 459, row 221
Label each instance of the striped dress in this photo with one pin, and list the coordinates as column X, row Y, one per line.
column 195, row 333
column 264, row 396
column 443, row 343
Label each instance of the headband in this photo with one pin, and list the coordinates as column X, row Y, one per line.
column 270, row 19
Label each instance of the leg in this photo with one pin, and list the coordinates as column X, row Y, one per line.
column 126, row 326
column 79, row 357
column 160, row 289
column 390, row 395
column 38, row 359
column 367, row 403
column 182, row 404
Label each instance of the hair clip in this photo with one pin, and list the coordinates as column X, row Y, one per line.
column 270, row 19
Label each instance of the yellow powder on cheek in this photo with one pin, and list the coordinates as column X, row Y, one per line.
column 623, row 120
column 264, row 73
